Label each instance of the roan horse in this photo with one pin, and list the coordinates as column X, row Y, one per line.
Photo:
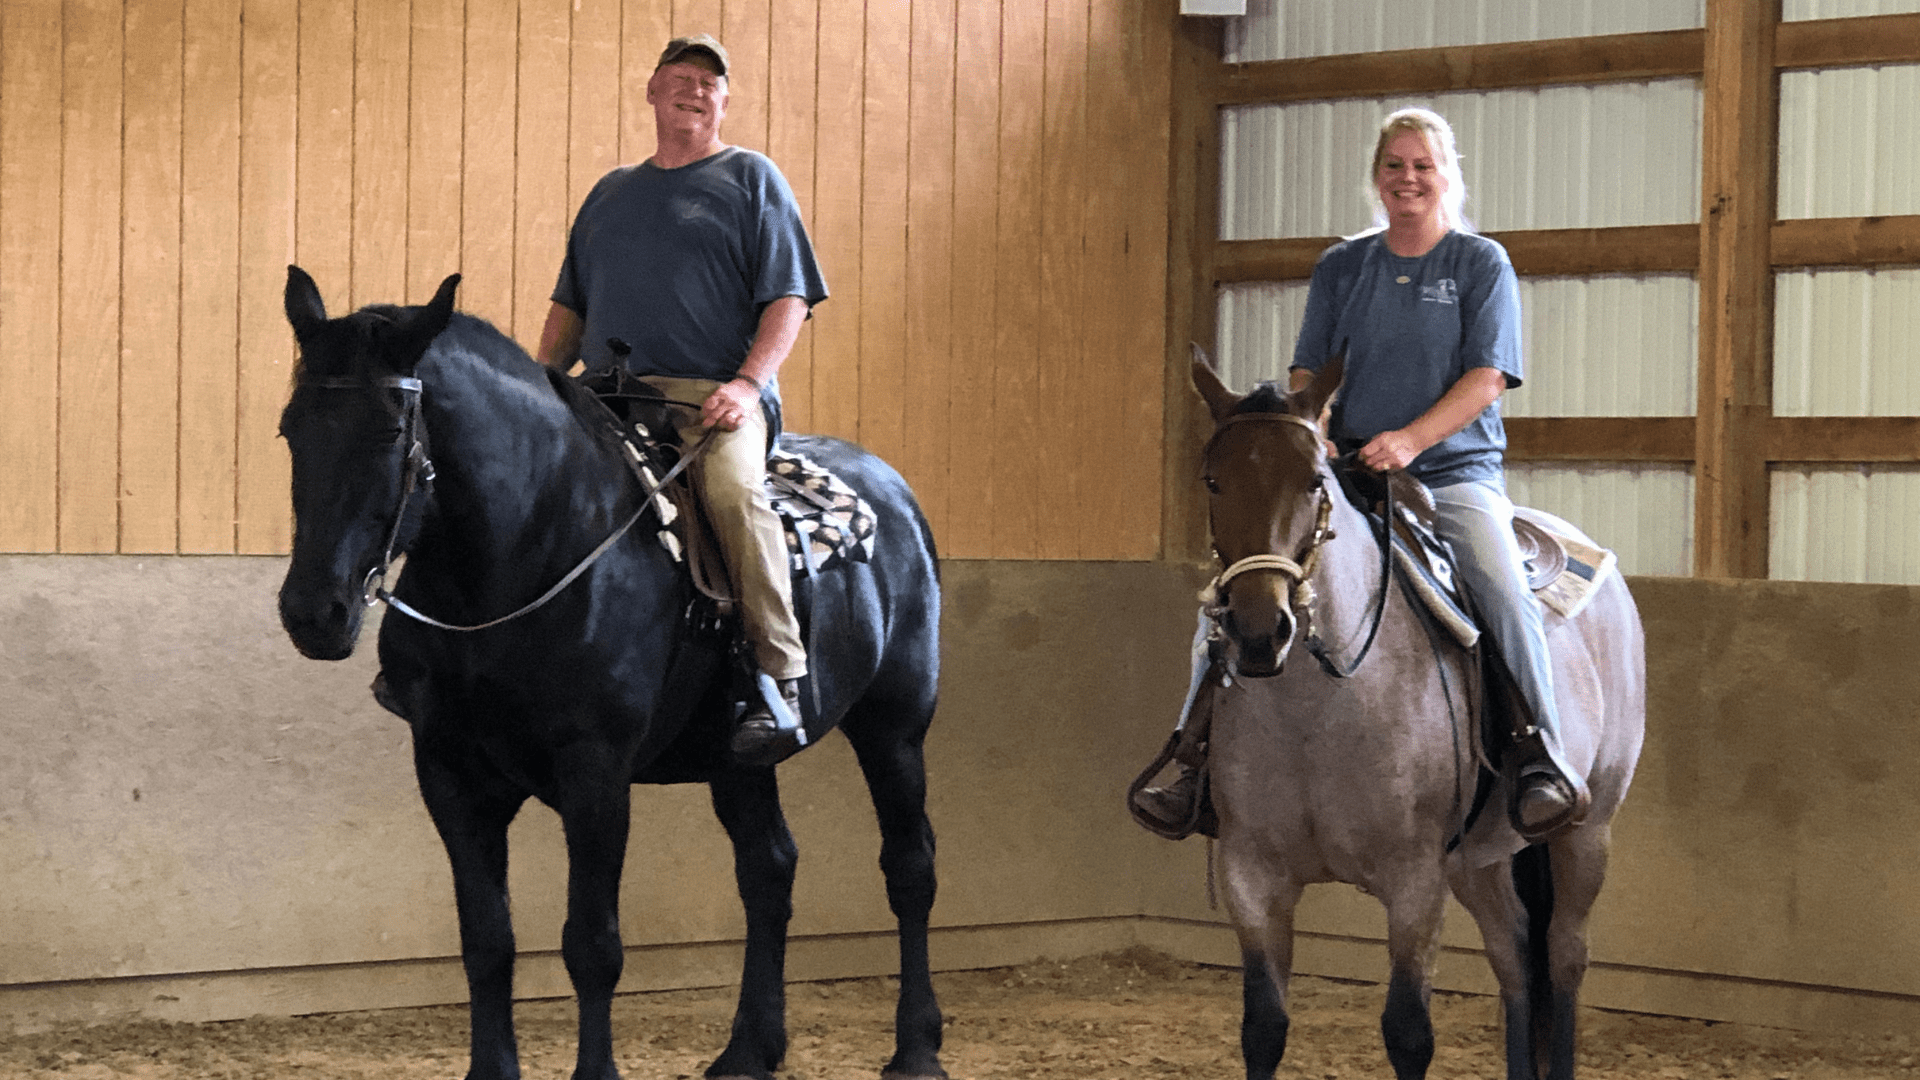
column 583, row 696
column 1366, row 778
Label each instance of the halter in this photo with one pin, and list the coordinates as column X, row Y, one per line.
column 419, row 473
column 1298, row 573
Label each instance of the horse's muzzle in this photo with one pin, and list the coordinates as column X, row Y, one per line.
column 1261, row 654
column 323, row 623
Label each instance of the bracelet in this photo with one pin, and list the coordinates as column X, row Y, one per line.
column 751, row 381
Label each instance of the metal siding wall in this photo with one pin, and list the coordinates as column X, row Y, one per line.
column 1643, row 513
column 1258, row 322
column 1847, row 343
column 1797, row 10
column 1286, row 29
column 1846, row 523
column 1621, row 154
column 1846, row 142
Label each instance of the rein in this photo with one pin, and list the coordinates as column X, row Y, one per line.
column 1300, row 572
column 419, row 473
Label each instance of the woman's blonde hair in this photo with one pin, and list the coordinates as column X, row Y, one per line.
column 1438, row 135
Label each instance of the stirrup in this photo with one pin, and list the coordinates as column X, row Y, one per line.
column 1200, row 819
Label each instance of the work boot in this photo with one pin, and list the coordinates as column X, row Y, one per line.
column 1174, row 806
column 1181, row 808
column 1547, row 796
column 759, row 740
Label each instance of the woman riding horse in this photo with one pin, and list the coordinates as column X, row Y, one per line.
column 1427, row 314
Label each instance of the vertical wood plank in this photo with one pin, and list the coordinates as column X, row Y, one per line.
column 487, row 165
column 976, row 200
column 30, row 87
column 209, row 275
column 150, row 281
column 835, row 391
column 434, row 154
column 929, row 272
column 90, row 277
column 1017, row 312
column 695, row 17
column 323, row 158
column 746, row 35
column 790, row 143
column 541, row 212
column 1190, row 312
column 1740, row 110
column 268, row 125
column 1138, row 79
column 1061, row 383
column 382, row 42
column 593, row 114
column 883, row 229
column 645, row 28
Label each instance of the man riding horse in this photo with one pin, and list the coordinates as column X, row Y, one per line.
column 697, row 260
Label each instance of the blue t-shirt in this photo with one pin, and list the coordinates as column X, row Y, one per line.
column 1411, row 328
column 679, row 263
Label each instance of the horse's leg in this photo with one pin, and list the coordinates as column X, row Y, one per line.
column 748, row 804
column 1414, row 913
column 1578, row 865
column 1491, row 896
column 891, row 757
column 594, row 812
column 472, row 818
column 1261, row 907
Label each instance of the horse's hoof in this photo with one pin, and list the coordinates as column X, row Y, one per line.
column 758, row 742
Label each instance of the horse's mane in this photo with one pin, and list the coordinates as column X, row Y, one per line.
column 1267, row 396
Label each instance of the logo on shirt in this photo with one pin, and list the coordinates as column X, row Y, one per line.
column 1440, row 292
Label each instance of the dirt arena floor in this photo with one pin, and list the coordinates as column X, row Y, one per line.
column 1132, row 1014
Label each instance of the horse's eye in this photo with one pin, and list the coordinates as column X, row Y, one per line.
column 1212, row 484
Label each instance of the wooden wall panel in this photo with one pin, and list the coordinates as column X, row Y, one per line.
column 986, row 183
column 209, row 275
column 150, row 281
column 30, row 97
column 90, row 184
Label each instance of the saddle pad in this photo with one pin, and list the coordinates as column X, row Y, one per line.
column 828, row 523
column 1563, row 570
column 1582, row 569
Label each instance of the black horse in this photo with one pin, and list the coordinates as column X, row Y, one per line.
column 419, row 430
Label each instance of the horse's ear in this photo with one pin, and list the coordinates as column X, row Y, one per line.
column 425, row 323
column 1326, row 382
column 305, row 310
column 1219, row 399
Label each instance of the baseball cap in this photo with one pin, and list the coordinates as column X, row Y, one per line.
column 680, row 46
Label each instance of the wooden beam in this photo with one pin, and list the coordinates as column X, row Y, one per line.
column 1638, row 249
column 1843, row 438
column 1865, row 241
column 1874, row 39
column 1740, row 106
column 1611, row 58
column 1600, row 438
column 1193, row 206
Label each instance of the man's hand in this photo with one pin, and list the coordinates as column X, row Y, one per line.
column 1390, row 450
column 726, row 408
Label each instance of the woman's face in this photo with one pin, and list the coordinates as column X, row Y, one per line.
column 1409, row 181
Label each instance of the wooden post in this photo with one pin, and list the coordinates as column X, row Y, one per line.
column 1740, row 113
column 1194, row 203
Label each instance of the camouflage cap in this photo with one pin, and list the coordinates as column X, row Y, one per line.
column 680, row 46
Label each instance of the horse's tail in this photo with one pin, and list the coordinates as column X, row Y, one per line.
column 1533, row 880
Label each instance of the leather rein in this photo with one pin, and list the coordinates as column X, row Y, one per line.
column 418, row 475
column 1299, row 572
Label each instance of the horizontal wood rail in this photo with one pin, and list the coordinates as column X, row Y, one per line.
column 1842, row 438
column 1600, row 438
column 1872, row 39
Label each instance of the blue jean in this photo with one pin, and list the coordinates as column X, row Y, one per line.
column 1476, row 519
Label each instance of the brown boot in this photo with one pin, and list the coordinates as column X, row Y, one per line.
column 759, row 740
column 1547, row 795
column 1181, row 808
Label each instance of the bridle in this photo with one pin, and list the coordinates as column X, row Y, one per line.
column 1297, row 572
column 418, row 475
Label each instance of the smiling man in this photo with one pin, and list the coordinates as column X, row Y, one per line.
column 697, row 260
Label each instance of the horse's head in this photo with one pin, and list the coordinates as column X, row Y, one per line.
column 1266, row 474
column 360, row 466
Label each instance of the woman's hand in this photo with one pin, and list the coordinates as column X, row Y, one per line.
column 1390, row 450
column 726, row 408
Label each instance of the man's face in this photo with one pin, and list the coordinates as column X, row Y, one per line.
column 688, row 96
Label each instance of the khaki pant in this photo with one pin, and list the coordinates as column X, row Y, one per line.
column 730, row 480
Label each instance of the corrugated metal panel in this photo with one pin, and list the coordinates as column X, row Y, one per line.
column 1847, row 343
column 1546, row 158
column 1794, row 10
column 1846, row 142
column 1284, row 29
column 1644, row 514
column 1608, row 346
column 1846, row 523
column 1601, row 346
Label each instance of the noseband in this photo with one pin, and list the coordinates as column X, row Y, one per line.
column 1298, row 573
